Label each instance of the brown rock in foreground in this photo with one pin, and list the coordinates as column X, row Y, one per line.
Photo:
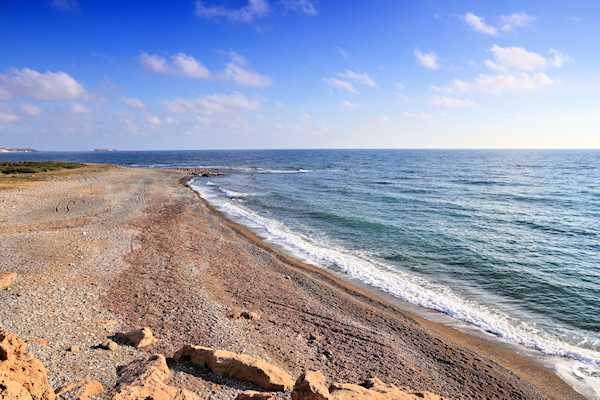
column 81, row 390
column 147, row 379
column 238, row 366
column 254, row 395
column 311, row 385
column 22, row 376
column 375, row 389
column 139, row 338
column 7, row 279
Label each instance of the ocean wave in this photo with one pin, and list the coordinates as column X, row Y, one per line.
column 283, row 171
column 419, row 291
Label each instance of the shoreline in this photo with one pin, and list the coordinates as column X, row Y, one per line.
column 107, row 249
column 505, row 354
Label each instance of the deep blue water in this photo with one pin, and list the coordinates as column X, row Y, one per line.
column 507, row 241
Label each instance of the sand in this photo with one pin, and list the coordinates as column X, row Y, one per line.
column 106, row 249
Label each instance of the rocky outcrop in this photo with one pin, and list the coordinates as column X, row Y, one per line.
column 81, row 390
column 238, row 366
column 311, row 385
column 7, row 279
column 147, row 379
column 254, row 395
column 138, row 338
column 22, row 376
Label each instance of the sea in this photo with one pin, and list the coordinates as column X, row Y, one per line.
column 505, row 243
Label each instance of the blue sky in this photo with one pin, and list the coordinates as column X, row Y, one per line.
column 299, row 74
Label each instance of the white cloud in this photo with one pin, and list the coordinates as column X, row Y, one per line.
column 478, row 24
column 238, row 71
column 520, row 59
column 348, row 104
column 27, row 82
column 359, row 77
column 516, row 20
column 78, row 108
column 340, row 84
column 189, row 66
column 450, row 102
column 30, row 110
column 247, row 13
column 153, row 120
column 154, row 63
column 8, row 117
column 427, row 60
column 134, row 102
column 212, row 104
column 500, row 83
column 307, row 7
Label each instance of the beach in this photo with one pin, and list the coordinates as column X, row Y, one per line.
column 107, row 249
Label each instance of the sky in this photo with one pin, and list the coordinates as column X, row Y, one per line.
column 237, row 74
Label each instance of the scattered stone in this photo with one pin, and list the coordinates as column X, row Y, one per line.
column 109, row 345
column 147, row 379
column 249, row 315
column 40, row 341
column 81, row 390
column 74, row 349
column 7, row 279
column 238, row 366
column 254, row 395
column 311, row 385
column 22, row 376
column 139, row 338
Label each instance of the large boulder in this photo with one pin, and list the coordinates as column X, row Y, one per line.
column 81, row 390
column 147, row 379
column 7, row 279
column 20, row 372
column 139, row 338
column 375, row 389
column 238, row 366
column 311, row 385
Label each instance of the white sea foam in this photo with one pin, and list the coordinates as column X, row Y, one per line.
column 578, row 366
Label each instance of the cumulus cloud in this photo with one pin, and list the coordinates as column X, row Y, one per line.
column 478, row 24
column 189, row 66
column 154, row 63
column 340, row 84
column 30, row 109
column 134, row 102
column 307, row 7
column 427, row 60
column 359, row 77
column 450, row 102
column 500, row 83
column 8, row 117
column 516, row 20
column 238, row 71
column 153, row 120
column 518, row 58
column 78, row 108
column 348, row 104
column 27, row 82
column 248, row 13
column 213, row 104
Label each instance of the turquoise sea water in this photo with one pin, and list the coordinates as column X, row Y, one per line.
column 504, row 241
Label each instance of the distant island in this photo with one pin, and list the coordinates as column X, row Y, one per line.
column 16, row 150
column 104, row 150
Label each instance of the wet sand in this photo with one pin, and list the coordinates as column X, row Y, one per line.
column 105, row 249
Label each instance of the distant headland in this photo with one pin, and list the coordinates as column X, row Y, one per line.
column 16, row 150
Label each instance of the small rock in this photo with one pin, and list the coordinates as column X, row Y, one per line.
column 81, row 390
column 254, row 395
column 139, row 338
column 7, row 279
column 74, row 349
column 40, row 341
column 311, row 385
column 109, row 345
